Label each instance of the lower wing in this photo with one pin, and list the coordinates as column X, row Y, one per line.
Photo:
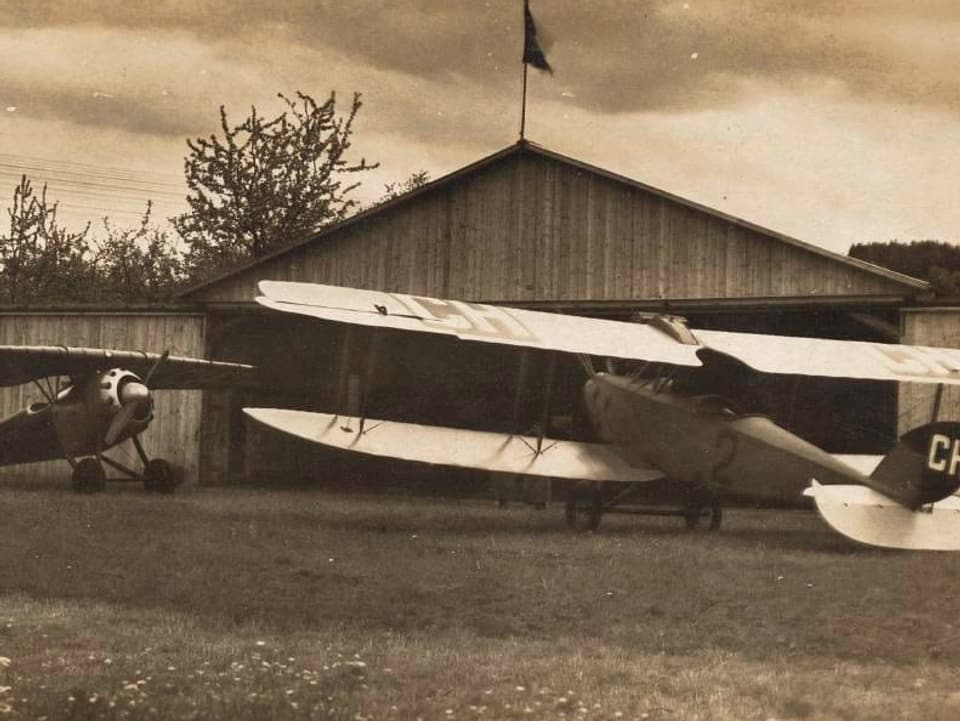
column 456, row 447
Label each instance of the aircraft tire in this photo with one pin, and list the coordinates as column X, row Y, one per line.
column 583, row 509
column 695, row 512
column 89, row 476
column 158, row 476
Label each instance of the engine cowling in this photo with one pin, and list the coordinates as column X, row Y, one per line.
column 102, row 411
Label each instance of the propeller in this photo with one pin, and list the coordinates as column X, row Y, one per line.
column 134, row 397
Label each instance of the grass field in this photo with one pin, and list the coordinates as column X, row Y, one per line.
column 296, row 605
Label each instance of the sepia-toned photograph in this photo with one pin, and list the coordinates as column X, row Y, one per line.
column 465, row 360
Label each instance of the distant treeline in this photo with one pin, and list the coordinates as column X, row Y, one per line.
column 930, row 260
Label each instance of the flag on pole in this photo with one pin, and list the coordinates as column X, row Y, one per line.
column 532, row 52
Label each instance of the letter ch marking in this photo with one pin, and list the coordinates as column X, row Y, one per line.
column 944, row 454
column 938, row 443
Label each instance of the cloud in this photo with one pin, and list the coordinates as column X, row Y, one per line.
column 106, row 79
column 649, row 82
column 611, row 56
column 860, row 174
column 645, row 60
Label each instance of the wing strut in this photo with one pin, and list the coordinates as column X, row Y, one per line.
column 547, row 398
column 937, row 400
column 369, row 373
column 343, row 380
column 49, row 394
column 523, row 370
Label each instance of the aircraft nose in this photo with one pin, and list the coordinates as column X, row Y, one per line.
column 136, row 393
column 591, row 392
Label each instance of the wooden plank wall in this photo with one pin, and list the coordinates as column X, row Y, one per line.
column 174, row 432
column 933, row 327
column 529, row 227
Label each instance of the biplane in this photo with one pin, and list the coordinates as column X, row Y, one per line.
column 655, row 422
column 93, row 400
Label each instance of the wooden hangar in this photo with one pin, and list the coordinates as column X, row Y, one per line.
column 530, row 228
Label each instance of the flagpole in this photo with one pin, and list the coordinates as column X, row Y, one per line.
column 523, row 104
column 532, row 53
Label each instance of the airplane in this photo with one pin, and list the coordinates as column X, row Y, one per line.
column 105, row 400
column 658, row 420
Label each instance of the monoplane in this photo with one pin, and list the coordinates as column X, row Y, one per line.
column 93, row 400
column 652, row 421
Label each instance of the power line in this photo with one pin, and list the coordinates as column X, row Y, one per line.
column 29, row 160
column 51, row 179
column 88, row 189
column 99, row 209
column 105, row 183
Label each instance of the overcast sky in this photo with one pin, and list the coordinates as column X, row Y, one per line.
column 834, row 122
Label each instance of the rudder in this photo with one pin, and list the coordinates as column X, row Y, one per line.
column 924, row 466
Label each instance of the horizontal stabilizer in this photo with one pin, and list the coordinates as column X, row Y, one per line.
column 869, row 517
column 498, row 452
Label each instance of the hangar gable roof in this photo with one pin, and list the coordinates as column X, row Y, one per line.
column 909, row 285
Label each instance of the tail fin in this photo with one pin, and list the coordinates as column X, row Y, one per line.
column 924, row 467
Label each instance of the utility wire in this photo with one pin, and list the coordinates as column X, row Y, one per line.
column 52, row 163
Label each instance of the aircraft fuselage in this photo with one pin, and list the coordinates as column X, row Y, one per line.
column 73, row 425
column 699, row 440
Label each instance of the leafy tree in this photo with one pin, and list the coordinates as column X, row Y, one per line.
column 946, row 282
column 137, row 265
column 267, row 182
column 930, row 260
column 395, row 190
column 41, row 261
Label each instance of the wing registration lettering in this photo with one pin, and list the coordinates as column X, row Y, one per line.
column 943, row 451
column 469, row 318
column 919, row 362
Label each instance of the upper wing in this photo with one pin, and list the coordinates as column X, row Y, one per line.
column 477, row 322
column 22, row 364
column 837, row 358
column 456, row 447
column 511, row 326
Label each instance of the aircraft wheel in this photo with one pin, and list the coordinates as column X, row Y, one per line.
column 89, row 476
column 159, row 476
column 583, row 509
column 695, row 512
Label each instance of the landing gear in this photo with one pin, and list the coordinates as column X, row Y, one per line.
column 88, row 476
column 584, row 507
column 159, row 476
column 702, row 503
column 586, row 503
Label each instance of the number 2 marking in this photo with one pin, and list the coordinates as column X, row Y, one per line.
column 726, row 448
